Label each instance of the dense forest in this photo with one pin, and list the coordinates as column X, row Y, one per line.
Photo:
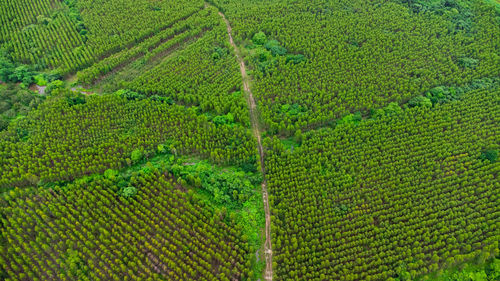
column 412, row 190
column 359, row 55
column 250, row 140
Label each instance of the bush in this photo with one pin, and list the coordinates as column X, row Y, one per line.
column 40, row 80
column 224, row 119
column 295, row 58
column 259, row 38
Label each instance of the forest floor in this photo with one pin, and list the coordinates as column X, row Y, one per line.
column 268, row 250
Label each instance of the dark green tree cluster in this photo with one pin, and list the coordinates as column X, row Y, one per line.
column 415, row 189
column 458, row 12
column 16, row 102
column 226, row 187
column 71, row 135
column 86, row 231
column 362, row 55
column 264, row 53
column 14, row 72
column 489, row 271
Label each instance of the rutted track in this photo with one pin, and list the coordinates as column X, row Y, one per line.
column 268, row 249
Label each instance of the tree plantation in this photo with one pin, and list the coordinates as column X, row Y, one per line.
column 360, row 55
column 246, row 140
column 84, row 231
column 407, row 192
column 73, row 135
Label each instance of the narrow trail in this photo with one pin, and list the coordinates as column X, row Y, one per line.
column 254, row 119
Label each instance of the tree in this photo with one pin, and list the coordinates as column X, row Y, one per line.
column 136, row 156
column 129, row 191
column 259, row 38
column 420, row 101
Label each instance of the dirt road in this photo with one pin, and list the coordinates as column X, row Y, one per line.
column 268, row 249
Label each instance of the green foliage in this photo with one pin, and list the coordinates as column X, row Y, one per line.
column 275, row 48
column 6, row 68
column 420, row 101
column 160, row 99
column 74, row 266
column 75, row 98
column 223, row 119
column 361, row 55
column 259, row 38
column 264, row 54
column 458, row 12
column 161, row 148
column 295, row 58
column 16, row 102
column 410, row 191
column 136, row 155
column 13, row 72
column 389, row 198
column 352, row 119
column 443, row 94
column 55, row 87
column 233, row 187
column 489, row 271
column 74, row 15
column 467, row 62
column 182, row 58
column 40, row 80
column 85, row 230
column 490, row 155
column 393, row 109
column 86, row 31
column 111, row 174
column 219, row 53
column 128, row 191
column 131, row 95
column 108, row 129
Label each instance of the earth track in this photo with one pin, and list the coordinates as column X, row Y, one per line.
column 254, row 118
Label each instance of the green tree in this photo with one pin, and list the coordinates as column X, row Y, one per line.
column 259, row 38
column 136, row 156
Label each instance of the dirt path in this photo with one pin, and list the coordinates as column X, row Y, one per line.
column 268, row 249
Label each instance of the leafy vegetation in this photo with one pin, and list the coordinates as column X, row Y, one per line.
column 399, row 196
column 361, row 55
column 225, row 187
column 488, row 271
column 372, row 138
column 194, row 78
column 69, row 35
column 16, row 103
column 86, row 231
column 72, row 135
